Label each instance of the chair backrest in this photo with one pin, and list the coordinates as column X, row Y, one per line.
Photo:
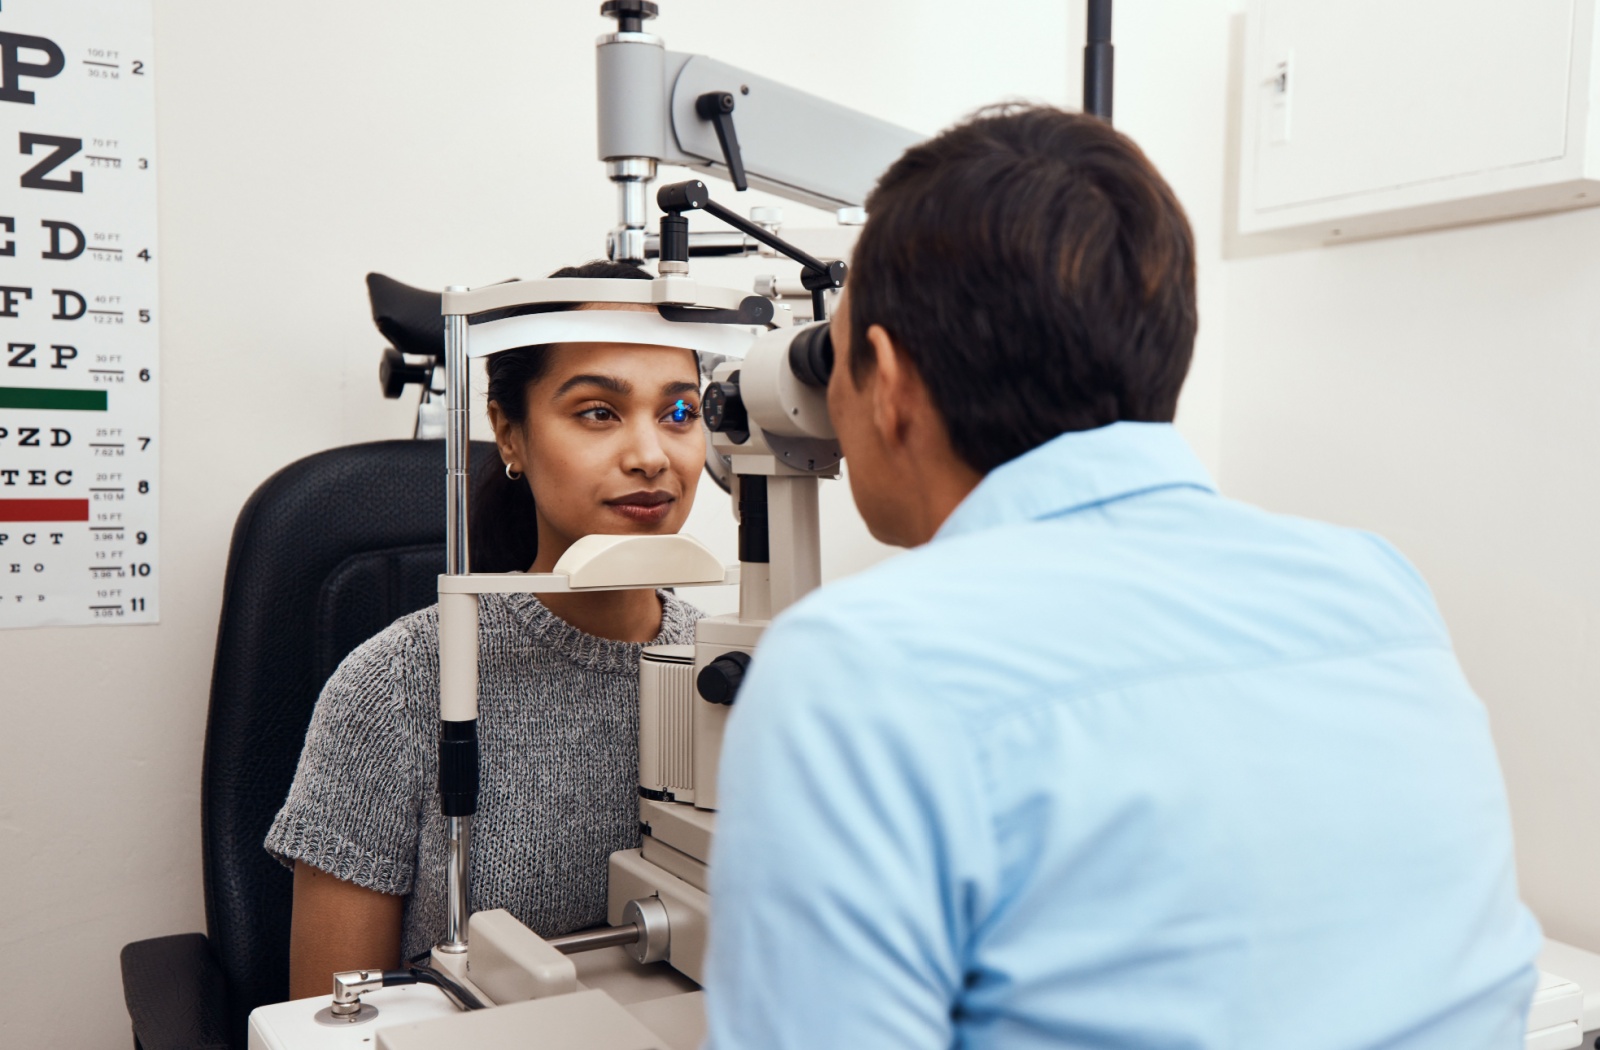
column 326, row 553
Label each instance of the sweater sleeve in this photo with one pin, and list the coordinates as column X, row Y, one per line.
column 354, row 809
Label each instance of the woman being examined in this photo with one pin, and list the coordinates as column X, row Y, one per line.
column 594, row 440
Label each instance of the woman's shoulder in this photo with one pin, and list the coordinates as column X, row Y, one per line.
column 413, row 637
column 391, row 669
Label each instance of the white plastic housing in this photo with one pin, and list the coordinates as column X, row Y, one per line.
column 510, row 963
column 714, row 636
column 666, row 721
column 777, row 401
column 598, row 561
column 458, row 657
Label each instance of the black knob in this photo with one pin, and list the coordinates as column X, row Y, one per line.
column 719, row 680
column 723, row 410
column 713, row 104
column 395, row 374
column 677, row 197
column 831, row 277
column 630, row 14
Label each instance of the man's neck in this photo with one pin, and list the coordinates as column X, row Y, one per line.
column 948, row 493
column 941, row 480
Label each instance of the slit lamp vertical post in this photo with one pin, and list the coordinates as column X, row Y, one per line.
column 458, row 647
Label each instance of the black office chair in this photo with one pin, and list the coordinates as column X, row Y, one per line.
column 327, row 552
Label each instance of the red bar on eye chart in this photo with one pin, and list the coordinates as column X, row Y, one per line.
column 44, row 510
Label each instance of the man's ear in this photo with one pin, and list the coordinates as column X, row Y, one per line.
column 895, row 386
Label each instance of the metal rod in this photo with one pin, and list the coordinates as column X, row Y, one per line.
column 457, row 844
column 457, row 430
column 591, row 940
column 632, row 176
column 458, row 829
column 765, row 236
column 633, row 205
column 1098, row 57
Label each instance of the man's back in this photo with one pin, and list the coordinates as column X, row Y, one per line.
column 1115, row 762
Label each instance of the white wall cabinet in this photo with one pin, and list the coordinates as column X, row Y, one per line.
column 1363, row 118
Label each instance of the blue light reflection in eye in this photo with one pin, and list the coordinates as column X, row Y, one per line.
column 680, row 411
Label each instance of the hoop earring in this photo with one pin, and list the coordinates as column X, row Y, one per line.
column 511, row 475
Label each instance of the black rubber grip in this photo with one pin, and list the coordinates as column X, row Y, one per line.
column 674, row 238
column 458, row 768
column 754, row 542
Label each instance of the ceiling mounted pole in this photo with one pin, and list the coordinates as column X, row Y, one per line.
column 1097, row 61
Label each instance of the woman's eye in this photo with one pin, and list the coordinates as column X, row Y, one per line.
column 681, row 413
column 599, row 414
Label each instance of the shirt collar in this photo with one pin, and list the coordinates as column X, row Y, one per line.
column 1079, row 470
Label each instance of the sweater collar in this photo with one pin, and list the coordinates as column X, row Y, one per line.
column 555, row 635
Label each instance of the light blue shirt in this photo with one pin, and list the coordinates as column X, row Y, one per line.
column 1116, row 762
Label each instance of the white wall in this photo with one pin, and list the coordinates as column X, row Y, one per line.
column 1443, row 390
column 301, row 145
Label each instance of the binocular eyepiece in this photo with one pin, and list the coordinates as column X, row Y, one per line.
column 781, row 387
column 811, row 355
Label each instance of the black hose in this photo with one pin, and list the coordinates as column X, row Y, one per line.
column 423, row 971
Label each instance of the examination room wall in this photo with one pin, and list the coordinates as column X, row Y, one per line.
column 301, row 145
column 1443, row 389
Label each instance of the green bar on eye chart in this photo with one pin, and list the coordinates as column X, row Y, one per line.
column 59, row 400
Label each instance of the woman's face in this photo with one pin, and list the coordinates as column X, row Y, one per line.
column 607, row 446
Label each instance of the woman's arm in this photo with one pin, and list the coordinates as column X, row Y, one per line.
column 338, row 925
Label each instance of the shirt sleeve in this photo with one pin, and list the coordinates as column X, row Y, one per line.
column 354, row 807
column 849, row 840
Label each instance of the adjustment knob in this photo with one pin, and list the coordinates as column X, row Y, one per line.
column 630, row 14
column 395, row 374
column 723, row 410
column 719, row 680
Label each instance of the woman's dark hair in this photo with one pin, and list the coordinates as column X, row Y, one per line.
column 1038, row 273
column 504, row 533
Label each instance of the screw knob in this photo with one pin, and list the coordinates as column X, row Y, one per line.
column 630, row 14
column 723, row 410
column 395, row 374
column 720, row 679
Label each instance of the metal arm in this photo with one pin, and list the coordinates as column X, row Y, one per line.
column 788, row 142
column 675, row 199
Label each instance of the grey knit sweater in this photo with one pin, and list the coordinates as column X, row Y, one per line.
column 558, row 726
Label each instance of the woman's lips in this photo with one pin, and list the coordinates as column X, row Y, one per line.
column 646, row 508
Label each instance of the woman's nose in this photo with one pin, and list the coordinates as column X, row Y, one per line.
column 645, row 454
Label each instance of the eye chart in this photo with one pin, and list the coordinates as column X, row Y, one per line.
column 80, row 375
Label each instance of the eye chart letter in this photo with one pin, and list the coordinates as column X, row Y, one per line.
column 79, row 367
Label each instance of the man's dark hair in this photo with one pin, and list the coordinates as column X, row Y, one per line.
column 1038, row 273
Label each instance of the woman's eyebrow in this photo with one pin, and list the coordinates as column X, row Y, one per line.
column 620, row 387
column 679, row 388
